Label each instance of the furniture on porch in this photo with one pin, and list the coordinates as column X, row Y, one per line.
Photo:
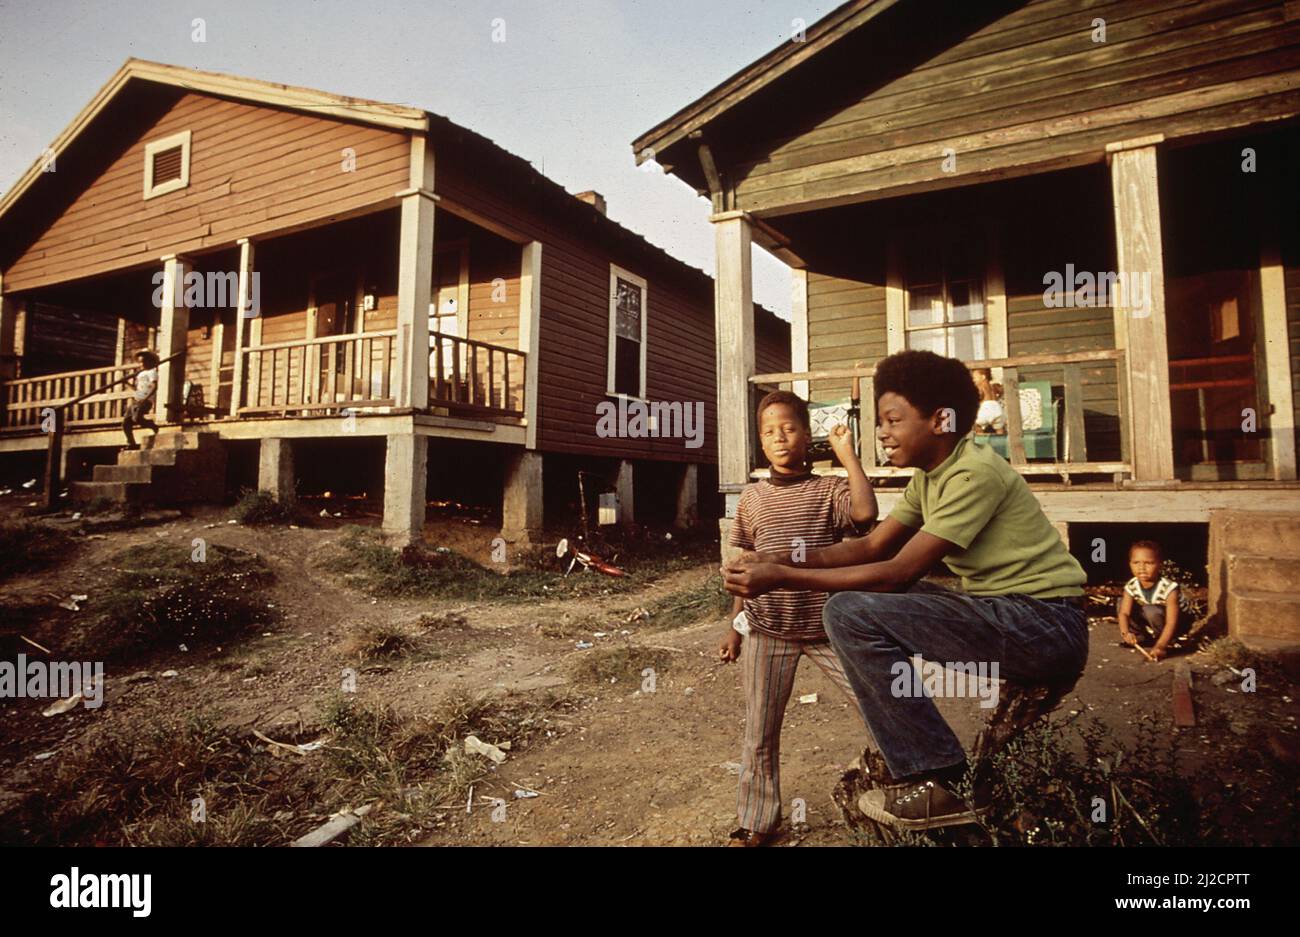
column 1038, row 423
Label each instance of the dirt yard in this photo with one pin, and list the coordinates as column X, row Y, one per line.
column 600, row 762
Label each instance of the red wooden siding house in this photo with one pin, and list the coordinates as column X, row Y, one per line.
column 1095, row 200
column 403, row 279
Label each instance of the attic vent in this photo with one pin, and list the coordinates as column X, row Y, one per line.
column 167, row 164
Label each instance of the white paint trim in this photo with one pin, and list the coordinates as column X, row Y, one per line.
column 530, row 311
column 243, row 330
column 182, row 140
column 1276, row 348
column 799, row 327
column 996, row 325
column 895, row 299
column 615, row 274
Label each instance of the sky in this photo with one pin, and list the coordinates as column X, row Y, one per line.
column 569, row 88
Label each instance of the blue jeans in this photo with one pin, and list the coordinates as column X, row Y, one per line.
column 876, row 634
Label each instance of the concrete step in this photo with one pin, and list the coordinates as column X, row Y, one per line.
column 184, row 439
column 1263, row 614
column 118, row 492
column 165, row 456
column 1264, row 573
column 124, row 473
column 1257, row 533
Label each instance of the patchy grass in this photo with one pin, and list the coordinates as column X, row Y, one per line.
column 1229, row 652
column 156, row 595
column 621, row 663
column 379, row 642
column 705, row 602
column 27, row 546
column 418, row 571
column 140, row 787
column 258, row 508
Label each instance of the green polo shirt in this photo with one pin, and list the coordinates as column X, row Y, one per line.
column 1005, row 543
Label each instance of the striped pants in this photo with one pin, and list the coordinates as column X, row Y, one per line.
column 768, row 666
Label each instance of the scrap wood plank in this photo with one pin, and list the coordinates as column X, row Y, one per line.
column 332, row 829
column 1184, row 713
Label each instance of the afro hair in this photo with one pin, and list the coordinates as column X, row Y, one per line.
column 930, row 383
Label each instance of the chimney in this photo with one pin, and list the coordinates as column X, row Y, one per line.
column 593, row 198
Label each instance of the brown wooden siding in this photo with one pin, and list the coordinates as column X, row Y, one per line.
column 574, row 317
column 1028, row 87
column 846, row 325
column 253, row 170
column 493, row 313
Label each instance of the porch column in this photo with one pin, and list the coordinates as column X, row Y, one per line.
column 245, row 309
column 11, row 337
column 406, row 467
column 688, row 497
column 734, row 318
column 626, row 499
column 1277, row 360
column 521, row 501
column 275, row 474
column 799, row 327
column 415, row 281
column 173, row 330
column 1140, row 330
column 530, row 311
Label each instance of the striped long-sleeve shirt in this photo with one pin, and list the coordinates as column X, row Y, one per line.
column 789, row 518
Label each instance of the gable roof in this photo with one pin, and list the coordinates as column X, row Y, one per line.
column 840, row 22
column 233, row 86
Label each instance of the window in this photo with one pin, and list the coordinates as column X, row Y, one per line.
column 167, row 164
column 627, row 330
column 945, row 309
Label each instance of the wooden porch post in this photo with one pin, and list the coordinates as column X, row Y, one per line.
column 1139, row 253
column 10, row 334
column 244, row 311
column 173, row 330
column 799, row 327
column 530, row 311
column 1277, row 361
column 415, row 281
column 734, row 316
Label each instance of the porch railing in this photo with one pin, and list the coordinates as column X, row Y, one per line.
column 1067, row 422
column 27, row 399
column 328, row 373
column 469, row 375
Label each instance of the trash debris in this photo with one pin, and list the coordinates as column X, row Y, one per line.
column 139, row 676
column 731, row 767
column 335, row 827
column 475, row 746
column 232, row 521
column 44, row 755
column 72, row 602
column 637, row 614
column 30, row 484
column 169, row 673
column 183, row 647
column 600, row 634
column 588, row 560
column 63, row 705
column 690, row 691
column 808, row 698
column 34, row 644
column 286, row 746
column 583, row 645
column 521, row 794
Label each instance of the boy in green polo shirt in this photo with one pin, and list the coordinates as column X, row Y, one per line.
column 1019, row 614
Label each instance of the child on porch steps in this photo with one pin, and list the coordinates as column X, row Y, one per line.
column 145, row 383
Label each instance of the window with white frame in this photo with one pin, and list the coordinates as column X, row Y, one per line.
column 945, row 308
column 167, row 164
column 627, row 331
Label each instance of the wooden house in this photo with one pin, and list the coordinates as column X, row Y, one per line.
column 1096, row 200
column 328, row 269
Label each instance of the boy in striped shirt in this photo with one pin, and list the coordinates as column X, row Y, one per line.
column 792, row 511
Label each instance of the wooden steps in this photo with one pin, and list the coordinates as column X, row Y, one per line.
column 171, row 468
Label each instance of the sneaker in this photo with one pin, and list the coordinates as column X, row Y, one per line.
column 918, row 805
column 744, row 837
